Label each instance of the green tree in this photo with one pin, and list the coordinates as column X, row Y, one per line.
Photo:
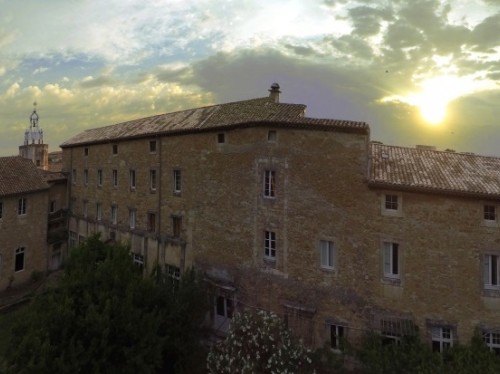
column 105, row 317
column 259, row 343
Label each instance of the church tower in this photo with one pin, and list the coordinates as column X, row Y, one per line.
column 33, row 147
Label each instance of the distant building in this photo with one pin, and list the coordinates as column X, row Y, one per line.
column 33, row 148
column 302, row 216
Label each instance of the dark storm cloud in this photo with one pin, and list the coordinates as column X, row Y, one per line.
column 352, row 46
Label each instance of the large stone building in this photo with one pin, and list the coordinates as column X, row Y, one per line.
column 305, row 217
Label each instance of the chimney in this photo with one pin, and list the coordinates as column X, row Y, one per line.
column 274, row 92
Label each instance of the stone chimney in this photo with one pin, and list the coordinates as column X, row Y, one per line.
column 274, row 92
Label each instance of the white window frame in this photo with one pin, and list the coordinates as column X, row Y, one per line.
column 270, row 245
column 443, row 336
column 131, row 218
column 21, row 251
column 138, row 260
column 337, row 335
column 389, row 206
column 177, row 181
column 173, row 272
column 22, row 206
column 391, row 253
column 132, row 179
column 115, row 177
column 269, row 184
column 114, row 214
column 491, row 271
column 327, row 255
column 492, row 340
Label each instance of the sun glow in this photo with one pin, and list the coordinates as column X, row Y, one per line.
column 436, row 93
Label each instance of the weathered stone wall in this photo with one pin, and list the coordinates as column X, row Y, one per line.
column 28, row 231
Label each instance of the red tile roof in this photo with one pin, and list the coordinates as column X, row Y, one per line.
column 429, row 170
column 253, row 112
column 19, row 175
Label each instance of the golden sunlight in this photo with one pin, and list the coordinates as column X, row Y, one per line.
column 435, row 94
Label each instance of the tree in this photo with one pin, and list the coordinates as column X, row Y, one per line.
column 105, row 317
column 259, row 342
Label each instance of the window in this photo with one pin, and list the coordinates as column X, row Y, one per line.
column 86, row 151
column 327, row 254
column 73, row 176
column 52, row 207
column 269, row 183
column 99, row 177
column 114, row 214
column 270, row 245
column 115, row 178
column 271, row 136
column 21, row 208
column 73, row 239
column 115, row 149
column 1, row 209
column 98, row 211
column 19, row 261
column 151, row 222
column 174, row 272
column 176, row 226
column 132, row 179
column 224, row 307
column 391, row 202
column 490, row 213
column 442, row 338
column 152, row 146
column 492, row 341
column 337, row 334
column 86, row 176
column 391, row 260
column 131, row 218
column 390, row 330
column 138, row 260
column 491, row 269
column 152, row 180
column 177, row 181
column 221, row 138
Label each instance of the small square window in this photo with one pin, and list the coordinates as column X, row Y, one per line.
column 152, row 146
column 490, row 213
column 138, row 260
column 86, row 151
column 271, row 136
column 492, row 341
column 115, row 149
column 391, row 202
column 221, row 138
column 442, row 338
column 327, row 255
column 173, row 272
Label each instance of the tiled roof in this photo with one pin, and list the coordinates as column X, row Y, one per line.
column 52, row 175
column 434, row 171
column 19, row 175
column 234, row 114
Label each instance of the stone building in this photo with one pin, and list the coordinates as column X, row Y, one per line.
column 23, row 221
column 302, row 216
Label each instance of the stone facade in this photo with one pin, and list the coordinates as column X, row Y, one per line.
column 281, row 213
column 23, row 221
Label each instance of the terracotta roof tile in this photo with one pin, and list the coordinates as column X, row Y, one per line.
column 19, row 175
column 217, row 116
column 434, row 171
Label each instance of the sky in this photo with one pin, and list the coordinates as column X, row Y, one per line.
column 417, row 71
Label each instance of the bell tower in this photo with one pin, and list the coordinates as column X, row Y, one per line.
column 33, row 147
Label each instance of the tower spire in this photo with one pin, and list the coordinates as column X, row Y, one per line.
column 34, row 132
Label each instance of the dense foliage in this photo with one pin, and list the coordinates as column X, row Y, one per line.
column 414, row 356
column 105, row 317
column 259, row 343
